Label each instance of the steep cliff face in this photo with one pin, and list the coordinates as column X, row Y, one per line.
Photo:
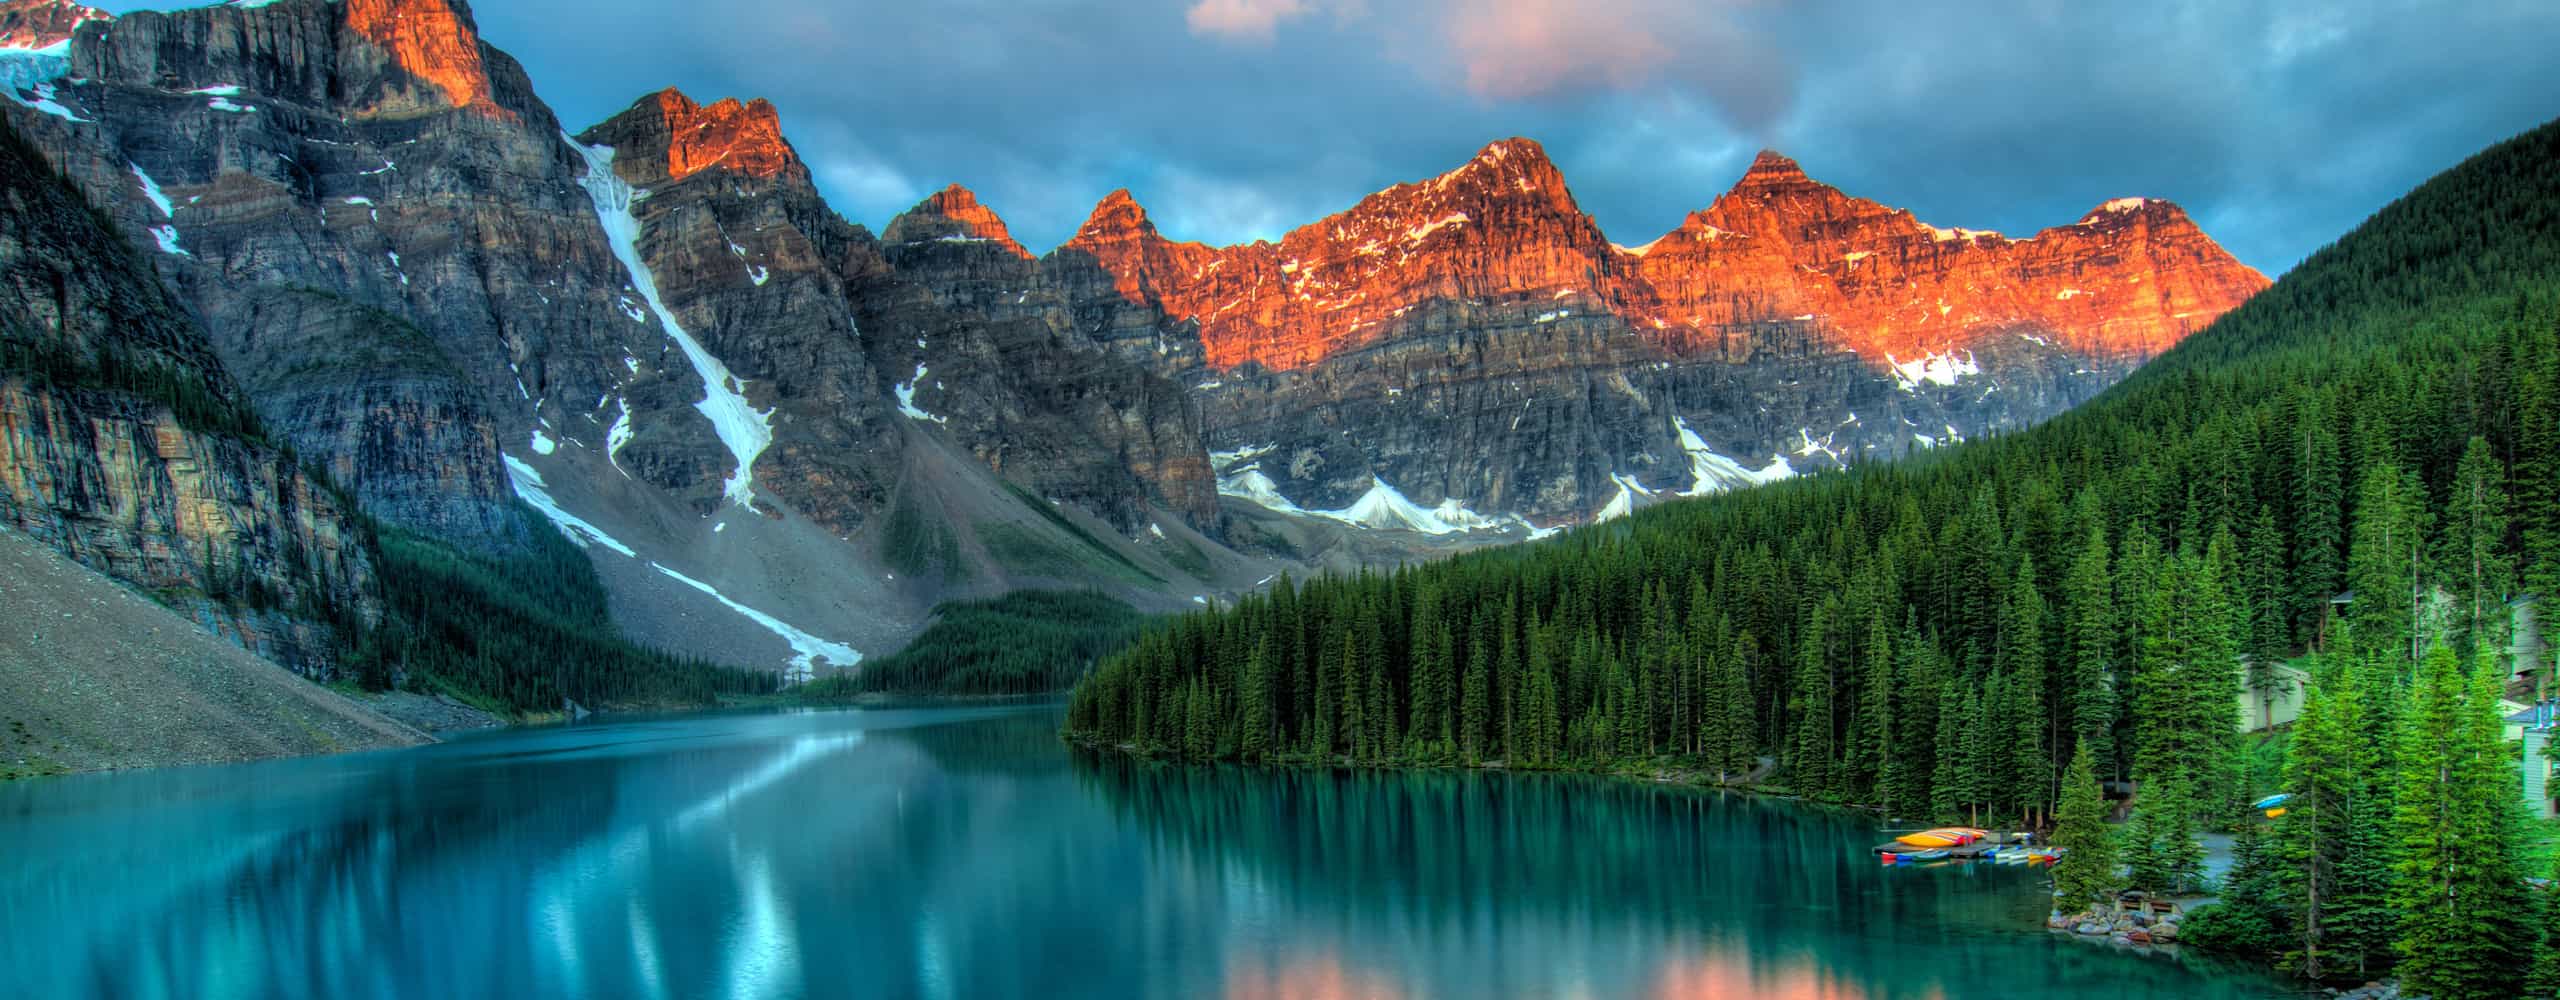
column 397, row 248
column 1002, row 362
column 125, row 445
column 376, row 153
column 1474, row 345
column 746, row 261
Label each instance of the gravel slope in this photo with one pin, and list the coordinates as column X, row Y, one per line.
column 96, row 677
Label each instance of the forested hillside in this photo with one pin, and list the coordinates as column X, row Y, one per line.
column 1939, row 637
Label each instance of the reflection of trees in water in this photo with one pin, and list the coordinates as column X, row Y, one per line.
column 1788, row 895
column 219, row 893
column 1022, row 744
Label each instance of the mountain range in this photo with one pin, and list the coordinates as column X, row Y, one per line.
column 783, row 440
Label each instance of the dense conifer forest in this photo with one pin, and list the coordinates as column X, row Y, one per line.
column 2356, row 474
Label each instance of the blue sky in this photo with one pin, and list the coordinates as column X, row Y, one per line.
column 2279, row 124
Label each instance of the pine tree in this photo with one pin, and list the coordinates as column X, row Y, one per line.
column 2162, row 849
column 1947, row 777
column 2543, row 982
column 2382, row 559
column 2249, row 918
column 2537, row 461
column 2458, row 890
column 1475, row 710
column 2086, row 872
column 2473, row 559
column 2089, row 641
column 2021, row 664
column 1809, row 704
column 1255, row 724
column 2319, row 520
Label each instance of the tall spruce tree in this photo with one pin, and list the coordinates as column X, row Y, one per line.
column 2086, row 872
column 2458, row 893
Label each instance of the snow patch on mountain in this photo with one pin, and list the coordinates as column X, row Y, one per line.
column 1711, row 472
column 907, row 399
column 746, row 430
column 529, row 487
column 806, row 649
column 1382, row 507
column 27, row 75
column 1932, row 368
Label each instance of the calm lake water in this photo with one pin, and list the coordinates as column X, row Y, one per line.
column 965, row 853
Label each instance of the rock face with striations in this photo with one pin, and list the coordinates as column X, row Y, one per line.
column 1474, row 343
column 320, row 180
column 1002, row 361
column 126, row 446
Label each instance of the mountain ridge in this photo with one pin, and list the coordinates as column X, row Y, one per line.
column 658, row 333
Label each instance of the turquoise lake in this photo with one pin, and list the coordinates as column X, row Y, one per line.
column 964, row 852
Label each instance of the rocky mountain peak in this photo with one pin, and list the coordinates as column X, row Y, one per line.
column 667, row 137
column 953, row 214
column 1773, row 169
column 37, row 24
column 1513, row 170
column 435, row 41
column 1117, row 217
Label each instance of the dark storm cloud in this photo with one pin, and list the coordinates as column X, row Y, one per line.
column 2278, row 123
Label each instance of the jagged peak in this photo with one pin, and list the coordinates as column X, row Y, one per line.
column 1772, row 169
column 39, row 24
column 953, row 214
column 1517, row 159
column 1117, row 215
column 669, row 136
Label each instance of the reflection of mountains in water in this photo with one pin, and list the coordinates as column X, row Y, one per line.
column 1772, row 884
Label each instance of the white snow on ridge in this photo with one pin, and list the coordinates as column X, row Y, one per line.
column 530, row 488
column 1383, row 507
column 1714, row 473
column 1624, row 503
column 807, row 649
column 543, row 445
column 1249, row 483
column 1932, row 368
column 746, row 430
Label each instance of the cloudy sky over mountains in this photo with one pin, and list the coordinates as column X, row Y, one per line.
column 2278, row 123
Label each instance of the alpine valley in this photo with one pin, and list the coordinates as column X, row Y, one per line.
column 327, row 310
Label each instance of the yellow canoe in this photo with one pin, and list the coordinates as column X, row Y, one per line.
column 1927, row 840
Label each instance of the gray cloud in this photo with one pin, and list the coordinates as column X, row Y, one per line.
column 2278, row 123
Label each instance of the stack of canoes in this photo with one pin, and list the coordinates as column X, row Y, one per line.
column 2272, row 805
column 1942, row 837
column 1910, row 857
